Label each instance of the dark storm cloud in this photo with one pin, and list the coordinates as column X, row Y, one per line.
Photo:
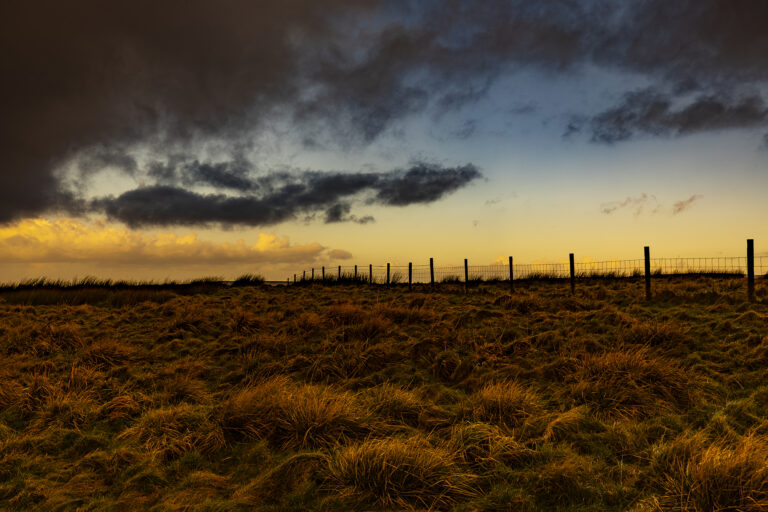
column 91, row 74
column 111, row 74
column 278, row 197
column 224, row 175
column 339, row 212
column 423, row 184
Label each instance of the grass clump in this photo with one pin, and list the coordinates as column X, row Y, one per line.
column 718, row 477
column 293, row 416
column 248, row 280
column 481, row 446
column 399, row 473
column 630, row 383
column 174, row 431
column 395, row 403
column 507, row 404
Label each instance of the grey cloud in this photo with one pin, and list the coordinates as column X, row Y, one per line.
column 423, row 183
column 340, row 213
column 278, row 197
column 637, row 204
column 651, row 112
column 225, row 175
column 647, row 203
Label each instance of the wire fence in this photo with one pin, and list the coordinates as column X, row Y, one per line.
column 610, row 268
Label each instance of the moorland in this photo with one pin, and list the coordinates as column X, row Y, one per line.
column 359, row 397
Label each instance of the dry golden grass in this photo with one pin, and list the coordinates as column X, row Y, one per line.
column 631, row 382
column 174, row 431
column 352, row 397
column 294, row 416
column 716, row 477
column 508, row 404
column 399, row 472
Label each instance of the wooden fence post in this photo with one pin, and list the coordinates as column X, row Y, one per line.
column 313, row 273
column 647, row 251
column 355, row 272
column 573, row 274
column 387, row 274
column 370, row 273
column 323, row 273
column 303, row 275
column 511, row 282
column 751, row 270
column 339, row 278
column 431, row 272
column 294, row 278
column 410, row 276
column 466, row 275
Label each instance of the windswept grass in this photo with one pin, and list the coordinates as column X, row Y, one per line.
column 202, row 396
column 294, row 416
column 631, row 382
column 399, row 472
column 507, row 404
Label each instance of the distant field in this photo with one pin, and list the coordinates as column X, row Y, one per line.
column 350, row 397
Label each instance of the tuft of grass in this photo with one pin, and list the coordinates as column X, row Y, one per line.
column 399, row 473
column 64, row 411
column 630, row 383
column 481, row 446
column 718, row 477
column 174, row 431
column 121, row 407
column 248, row 280
column 395, row 403
column 507, row 404
column 570, row 424
column 293, row 416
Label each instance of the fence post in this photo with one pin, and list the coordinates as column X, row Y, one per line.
column 294, row 278
column 387, row 274
column 573, row 274
column 355, row 272
column 431, row 272
column 466, row 275
column 647, row 272
column 287, row 281
column 751, row 270
column 370, row 273
column 511, row 282
column 410, row 276
column 323, row 273
column 303, row 275
column 313, row 273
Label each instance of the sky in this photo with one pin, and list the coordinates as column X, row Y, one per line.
column 171, row 140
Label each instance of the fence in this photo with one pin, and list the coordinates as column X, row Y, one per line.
column 748, row 265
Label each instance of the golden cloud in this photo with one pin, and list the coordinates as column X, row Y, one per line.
column 68, row 240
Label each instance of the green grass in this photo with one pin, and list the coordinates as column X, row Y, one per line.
column 202, row 396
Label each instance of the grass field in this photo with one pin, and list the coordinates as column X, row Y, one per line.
column 366, row 398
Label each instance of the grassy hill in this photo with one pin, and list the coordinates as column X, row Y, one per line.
column 365, row 398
